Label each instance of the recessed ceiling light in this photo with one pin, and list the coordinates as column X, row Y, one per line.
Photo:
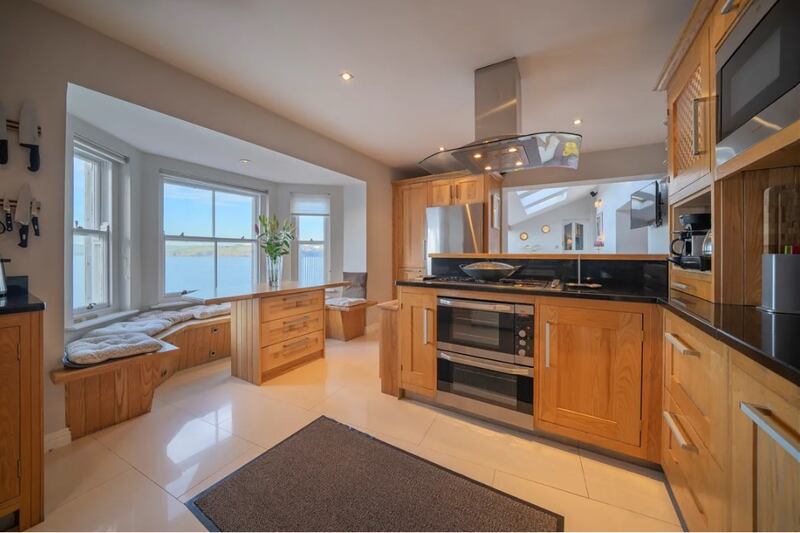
column 577, row 122
column 441, row 148
column 518, row 164
column 477, row 156
column 244, row 161
column 512, row 150
column 487, row 167
column 346, row 76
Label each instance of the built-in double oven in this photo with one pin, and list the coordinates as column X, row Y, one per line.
column 485, row 359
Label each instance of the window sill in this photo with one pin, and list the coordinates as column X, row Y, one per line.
column 99, row 321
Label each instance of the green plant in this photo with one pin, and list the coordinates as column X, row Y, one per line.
column 275, row 237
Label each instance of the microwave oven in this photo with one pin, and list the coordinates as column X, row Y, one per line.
column 758, row 76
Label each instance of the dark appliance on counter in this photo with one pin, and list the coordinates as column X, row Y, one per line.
column 485, row 359
column 687, row 249
column 646, row 206
column 758, row 76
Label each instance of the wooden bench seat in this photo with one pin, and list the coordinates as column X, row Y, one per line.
column 346, row 322
column 111, row 392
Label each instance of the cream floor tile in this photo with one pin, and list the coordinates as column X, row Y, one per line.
column 372, row 411
column 223, row 472
column 628, row 486
column 219, row 402
column 580, row 514
column 193, row 380
column 266, row 421
column 74, row 469
column 173, row 448
column 127, row 502
column 304, row 387
column 552, row 464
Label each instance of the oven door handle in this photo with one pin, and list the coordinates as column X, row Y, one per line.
column 476, row 305
column 503, row 368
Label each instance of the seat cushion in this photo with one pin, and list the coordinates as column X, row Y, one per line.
column 207, row 311
column 148, row 326
column 95, row 350
column 358, row 285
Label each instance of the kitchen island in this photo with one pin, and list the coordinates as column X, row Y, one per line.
column 274, row 329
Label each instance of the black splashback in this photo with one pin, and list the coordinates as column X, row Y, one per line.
column 642, row 276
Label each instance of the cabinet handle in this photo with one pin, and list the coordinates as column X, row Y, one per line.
column 424, row 326
column 676, row 432
column 682, row 348
column 727, row 7
column 682, row 286
column 295, row 320
column 696, row 126
column 762, row 417
column 547, row 344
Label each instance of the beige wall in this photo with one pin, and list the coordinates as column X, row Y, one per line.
column 41, row 51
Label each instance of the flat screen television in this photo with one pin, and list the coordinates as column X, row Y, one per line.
column 646, row 206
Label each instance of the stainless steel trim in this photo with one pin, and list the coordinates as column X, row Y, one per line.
column 503, row 368
column 747, row 21
column 523, row 360
column 682, row 348
column 547, row 344
column 523, row 309
column 727, row 6
column 425, row 339
column 679, row 285
column 485, row 410
column 477, row 352
column 762, row 417
column 476, row 305
column 676, row 432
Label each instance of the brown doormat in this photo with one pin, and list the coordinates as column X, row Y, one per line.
column 330, row 477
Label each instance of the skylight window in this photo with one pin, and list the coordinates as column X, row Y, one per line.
column 539, row 199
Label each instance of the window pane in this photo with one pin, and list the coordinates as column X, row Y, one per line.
column 89, row 271
column 311, row 228
column 187, row 210
column 235, row 215
column 235, row 263
column 85, row 175
column 310, row 204
column 188, row 266
column 311, row 263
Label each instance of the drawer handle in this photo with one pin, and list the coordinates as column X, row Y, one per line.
column 294, row 321
column 676, row 432
column 727, row 7
column 301, row 342
column 547, row 344
column 762, row 417
column 696, row 149
column 680, row 346
column 682, row 286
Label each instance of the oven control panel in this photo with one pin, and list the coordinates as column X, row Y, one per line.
column 523, row 326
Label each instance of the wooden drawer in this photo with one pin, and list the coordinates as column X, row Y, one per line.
column 289, row 351
column 291, row 304
column 691, row 282
column 281, row 329
column 696, row 376
column 697, row 481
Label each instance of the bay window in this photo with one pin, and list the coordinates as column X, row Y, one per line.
column 311, row 257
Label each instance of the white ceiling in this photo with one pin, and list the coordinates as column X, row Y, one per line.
column 413, row 62
column 156, row 133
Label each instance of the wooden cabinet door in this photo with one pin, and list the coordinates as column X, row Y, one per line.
column 442, row 192
column 468, row 190
column 10, row 429
column 589, row 371
column 765, row 452
column 418, row 342
column 414, row 201
column 689, row 108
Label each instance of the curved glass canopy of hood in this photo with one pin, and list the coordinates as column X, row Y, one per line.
column 509, row 154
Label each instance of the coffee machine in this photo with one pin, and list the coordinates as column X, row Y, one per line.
column 692, row 247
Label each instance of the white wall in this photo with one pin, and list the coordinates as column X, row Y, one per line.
column 42, row 51
column 539, row 242
column 354, row 248
column 616, row 196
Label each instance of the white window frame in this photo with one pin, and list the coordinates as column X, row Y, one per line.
column 260, row 200
column 110, row 168
column 326, row 243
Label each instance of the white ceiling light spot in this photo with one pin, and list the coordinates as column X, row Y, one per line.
column 577, row 121
column 346, row 76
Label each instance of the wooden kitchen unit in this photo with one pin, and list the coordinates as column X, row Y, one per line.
column 275, row 329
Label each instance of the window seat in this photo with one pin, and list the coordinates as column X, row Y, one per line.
column 344, row 321
column 110, row 392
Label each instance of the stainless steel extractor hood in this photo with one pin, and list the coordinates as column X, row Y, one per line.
column 499, row 147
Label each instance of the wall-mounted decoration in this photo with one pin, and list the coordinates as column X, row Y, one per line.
column 545, row 229
column 599, row 232
column 496, row 211
column 523, row 236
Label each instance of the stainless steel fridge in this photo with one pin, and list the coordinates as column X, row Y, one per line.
column 453, row 229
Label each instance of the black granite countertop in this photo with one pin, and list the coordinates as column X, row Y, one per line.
column 19, row 301
column 770, row 339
